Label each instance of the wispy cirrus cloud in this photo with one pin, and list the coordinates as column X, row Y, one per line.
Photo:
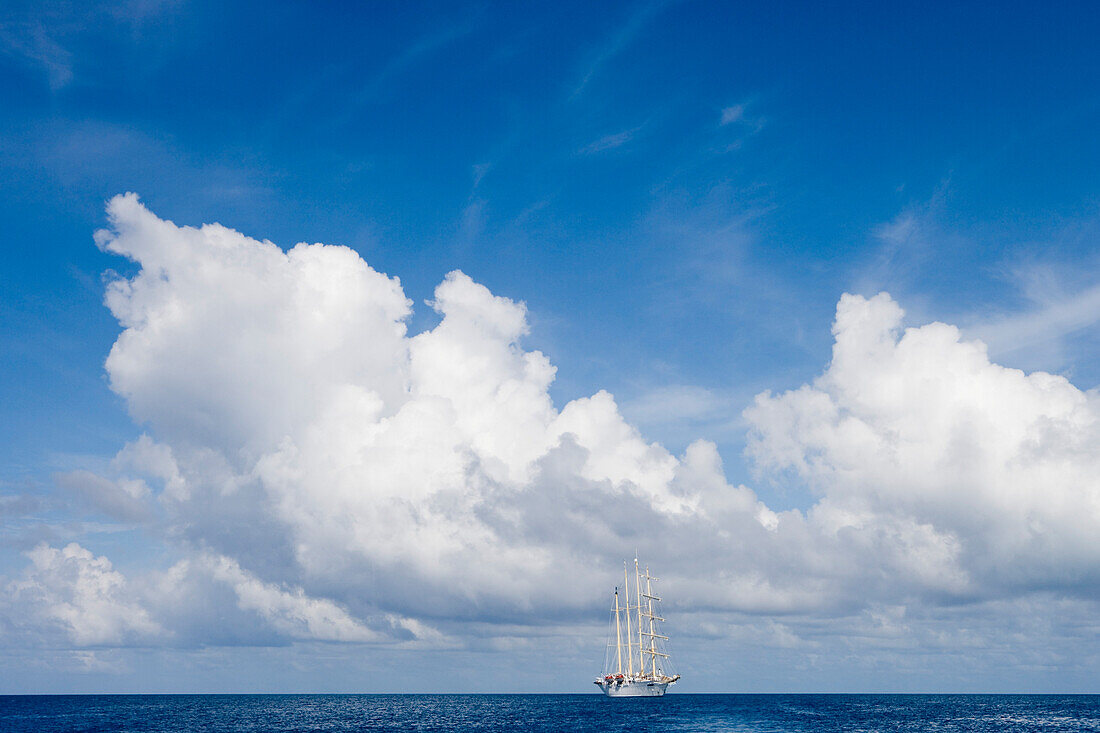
column 383, row 78
column 677, row 414
column 610, row 142
column 742, row 117
column 734, row 113
column 32, row 42
column 417, row 52
column 1046, row 305
column 903, row 245
column 618, row 41
column 1039, row 330
column 52, row 36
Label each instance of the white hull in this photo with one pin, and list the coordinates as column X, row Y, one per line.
column 636, row 688
column 635, row 648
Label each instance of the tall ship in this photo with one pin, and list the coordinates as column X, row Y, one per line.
column 637, row 663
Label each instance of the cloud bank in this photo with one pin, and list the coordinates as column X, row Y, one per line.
column 321, row 474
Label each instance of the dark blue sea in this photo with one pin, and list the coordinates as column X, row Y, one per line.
column 675, row 712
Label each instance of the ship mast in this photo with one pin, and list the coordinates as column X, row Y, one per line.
column 638, row 596
column 652, row 636
column 618, row 634
column 653, row 618
column 629, row 654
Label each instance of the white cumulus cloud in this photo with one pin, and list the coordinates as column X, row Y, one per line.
column 325, row 475
column 72, row 591
column 987, row 476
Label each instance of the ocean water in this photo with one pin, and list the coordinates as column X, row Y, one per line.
column 593, row 712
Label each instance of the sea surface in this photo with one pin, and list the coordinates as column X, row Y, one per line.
column 593, row 712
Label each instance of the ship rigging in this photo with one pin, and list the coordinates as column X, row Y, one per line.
column 637, row 663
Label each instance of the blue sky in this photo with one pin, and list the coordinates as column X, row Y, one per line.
column 680, row 193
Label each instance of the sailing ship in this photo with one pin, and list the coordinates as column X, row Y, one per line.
column 637, row 664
